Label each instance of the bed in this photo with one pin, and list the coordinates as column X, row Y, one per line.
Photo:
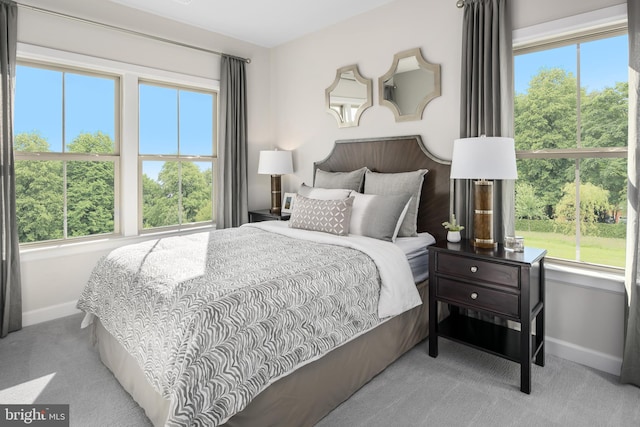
column 304, row 384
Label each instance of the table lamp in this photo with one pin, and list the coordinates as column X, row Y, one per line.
column 275, row 163
column 482, row 159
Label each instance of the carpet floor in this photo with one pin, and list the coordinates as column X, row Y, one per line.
column 54, row 362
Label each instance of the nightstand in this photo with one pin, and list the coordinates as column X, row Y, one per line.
column 509, row 285
column 266, row 215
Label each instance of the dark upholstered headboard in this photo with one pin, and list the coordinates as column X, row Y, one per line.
column 399, row 154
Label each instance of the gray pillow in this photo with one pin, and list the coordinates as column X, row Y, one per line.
column 350, row 180
column 323, row 193
column 377, row 216
column 399, row 183
column 329, row 216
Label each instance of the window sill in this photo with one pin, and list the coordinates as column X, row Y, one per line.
column 62, row 249
column 586, row 276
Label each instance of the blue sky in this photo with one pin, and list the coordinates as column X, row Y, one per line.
column 168, row 117
column 38, row 105
column 603, row 62
column 165, row 115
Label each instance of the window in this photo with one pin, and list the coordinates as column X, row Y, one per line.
column 177, row 155
column 346, row 110
column 571, row 109
column 66, row 151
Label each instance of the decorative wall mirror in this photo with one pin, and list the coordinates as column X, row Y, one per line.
column 409, row 85
column 348, row 96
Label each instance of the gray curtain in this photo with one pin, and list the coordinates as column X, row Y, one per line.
column 10, row 288
column 390, row 92
column 486, row 102
column 631, row 355
column 232, row 200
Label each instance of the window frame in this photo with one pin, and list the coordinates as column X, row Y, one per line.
column 65, row 156
column 180, row 158
column 590, row 32
column 129, row 74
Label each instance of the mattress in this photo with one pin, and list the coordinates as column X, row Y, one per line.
column 416, row 249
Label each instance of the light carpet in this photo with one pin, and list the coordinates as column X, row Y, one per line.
column 54, row 362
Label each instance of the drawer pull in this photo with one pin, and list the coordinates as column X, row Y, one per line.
column 474, row 269
column 474, row 295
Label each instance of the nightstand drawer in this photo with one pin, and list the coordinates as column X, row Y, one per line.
column 478, row 297
column 474, row 269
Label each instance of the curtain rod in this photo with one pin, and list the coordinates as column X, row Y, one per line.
column 126, row 30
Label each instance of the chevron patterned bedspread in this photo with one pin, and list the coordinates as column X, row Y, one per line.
column 213, row 318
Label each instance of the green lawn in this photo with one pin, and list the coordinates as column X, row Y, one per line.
column 596, row 250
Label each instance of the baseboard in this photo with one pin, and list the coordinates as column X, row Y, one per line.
column 566, row 350
column 584, row 356
column 49, row 313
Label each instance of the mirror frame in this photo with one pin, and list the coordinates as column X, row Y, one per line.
column 422, row 63
column 368, row 103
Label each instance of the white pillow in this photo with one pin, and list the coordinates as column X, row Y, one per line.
column 323, row 193
column 378, row 216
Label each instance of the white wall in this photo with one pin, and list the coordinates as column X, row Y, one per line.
column 304, row 68
column 583, row 323
column 528, row 13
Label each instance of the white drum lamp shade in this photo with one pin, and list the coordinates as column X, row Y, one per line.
column 275, row 162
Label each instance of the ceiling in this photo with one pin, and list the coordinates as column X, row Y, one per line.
column 266, row 23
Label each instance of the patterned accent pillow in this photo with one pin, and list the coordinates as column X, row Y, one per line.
column 353, row 180
column 328, row 216
column 399, row 183
column 323, row 193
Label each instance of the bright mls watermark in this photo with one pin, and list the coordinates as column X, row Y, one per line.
column 34, row 415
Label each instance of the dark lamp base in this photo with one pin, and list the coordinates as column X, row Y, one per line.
column 483, row 215
column 484, row 245
column 276, row 194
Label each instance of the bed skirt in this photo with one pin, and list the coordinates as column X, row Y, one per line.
column 303, row 397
